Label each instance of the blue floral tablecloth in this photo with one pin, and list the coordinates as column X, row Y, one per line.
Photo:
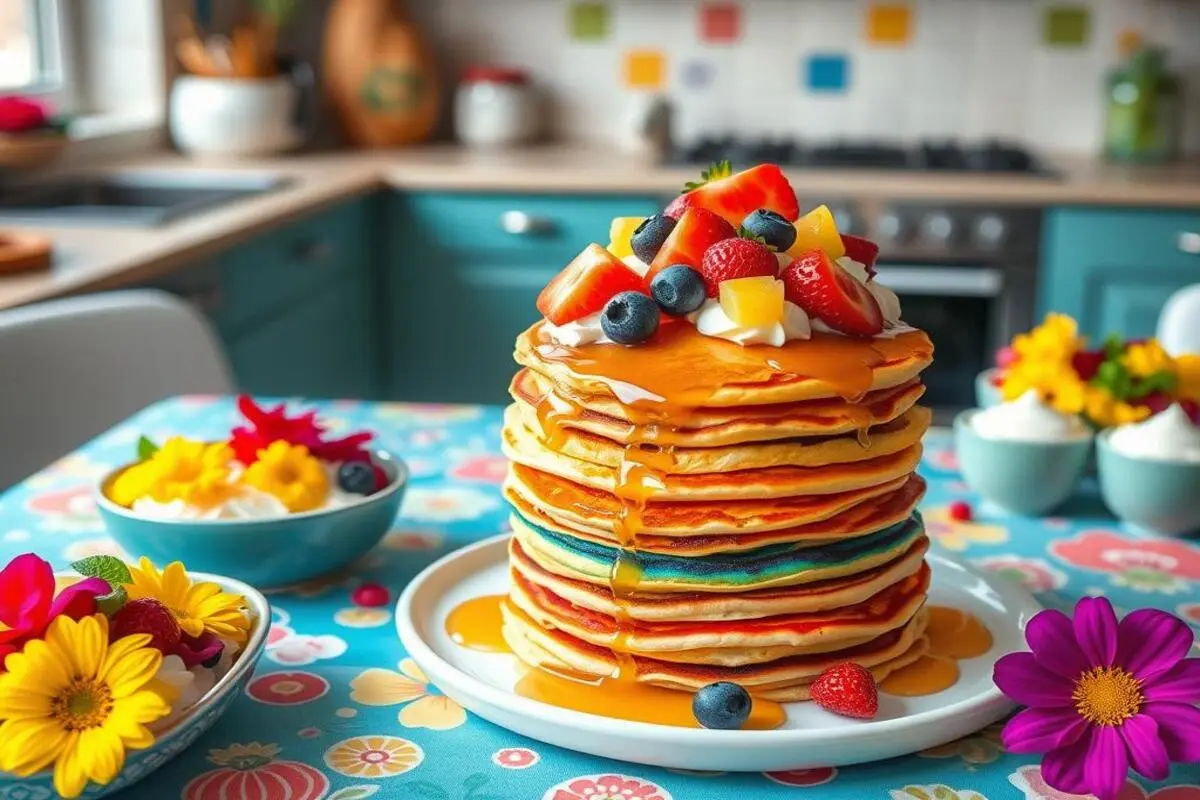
column 336, row 711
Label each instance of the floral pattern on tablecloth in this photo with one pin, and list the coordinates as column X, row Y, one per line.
column 337, row 711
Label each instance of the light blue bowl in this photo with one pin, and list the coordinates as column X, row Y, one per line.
column 1028, row 478
column 1161, row 497
column 187, row 729
column 268, row 553
column 986, row 394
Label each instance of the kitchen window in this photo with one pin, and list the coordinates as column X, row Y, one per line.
column 34, row 52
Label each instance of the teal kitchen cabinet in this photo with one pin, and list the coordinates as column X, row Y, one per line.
column 462, row 277
column 1113, row 269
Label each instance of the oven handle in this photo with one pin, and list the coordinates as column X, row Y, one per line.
column 941, row 281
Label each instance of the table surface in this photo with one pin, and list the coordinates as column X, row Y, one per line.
column 335, row 690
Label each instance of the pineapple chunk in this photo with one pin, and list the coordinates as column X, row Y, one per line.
column 753, row 302
column 816, row 230
column 620, row 233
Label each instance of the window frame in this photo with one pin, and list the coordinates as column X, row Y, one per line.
column 56, row 43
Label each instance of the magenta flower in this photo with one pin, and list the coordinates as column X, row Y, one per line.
column 1103, row 697
column 28, row 603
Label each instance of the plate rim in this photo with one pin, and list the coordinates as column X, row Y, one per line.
column 514, row 703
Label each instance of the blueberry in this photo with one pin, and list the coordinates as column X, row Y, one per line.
column 356, row 477
column 629, row 318
column 678, row 289
column 649, row 236
column 723, row 706
column 772, row 228
column 214, row 659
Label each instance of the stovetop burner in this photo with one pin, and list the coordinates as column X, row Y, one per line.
column 993, row 156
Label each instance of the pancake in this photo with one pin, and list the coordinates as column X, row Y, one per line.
column 578, row 507
column 775, row 566
column 603, row 415
column 784, row 680
column 694, row 370
column 697, row 606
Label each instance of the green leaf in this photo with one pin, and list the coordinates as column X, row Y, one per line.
column 1162, row 381
column 354, row 792
column 146, row 448
column 426, row 789
column 112, row 602
column 1113, row 347
column 1113, row 376
column 476, row 781
column 110, row 568
column 718, row 170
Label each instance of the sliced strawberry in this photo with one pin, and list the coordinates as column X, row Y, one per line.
column 697, row 230
column 587, row 283
column 734, row 197
column 736, row 258
column 826, row 291
column 864, row 251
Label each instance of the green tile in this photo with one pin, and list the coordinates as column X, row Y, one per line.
column 588, row 21
column 1066, row 26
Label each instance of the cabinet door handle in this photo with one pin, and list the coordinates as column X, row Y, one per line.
column 1189, row 242
column 521, row 223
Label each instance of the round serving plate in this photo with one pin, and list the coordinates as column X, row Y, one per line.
column 812, row 737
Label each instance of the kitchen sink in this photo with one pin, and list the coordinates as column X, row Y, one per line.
column 137, row 199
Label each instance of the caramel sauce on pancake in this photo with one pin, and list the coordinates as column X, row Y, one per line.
column 952, row 635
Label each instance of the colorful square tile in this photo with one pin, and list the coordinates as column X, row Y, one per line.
column 889, row 23
column 1066, row 26
column 645, row 69
column 827, row 72
column 588, row 21
column 720, row 22
column 697, row 73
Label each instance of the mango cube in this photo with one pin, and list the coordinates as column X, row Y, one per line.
column 816, row 230
column 753, row 301
column 620, row 233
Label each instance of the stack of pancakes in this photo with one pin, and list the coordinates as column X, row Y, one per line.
column 689, row 510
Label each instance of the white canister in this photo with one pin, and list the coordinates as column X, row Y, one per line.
column 495, row 107
column 235, row 116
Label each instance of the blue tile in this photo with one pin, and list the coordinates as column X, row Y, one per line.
column 827, row 72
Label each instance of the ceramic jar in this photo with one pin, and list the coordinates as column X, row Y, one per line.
column 495, row 107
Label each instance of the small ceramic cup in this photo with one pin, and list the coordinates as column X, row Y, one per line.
column 1028, row 478
column 1154, row 496
column 987, row 393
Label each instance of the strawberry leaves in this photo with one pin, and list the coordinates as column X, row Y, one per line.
column 715, row 172
column 114, row 572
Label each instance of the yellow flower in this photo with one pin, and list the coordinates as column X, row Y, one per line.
column 383, row 687
column 291, row 474
column 199, row 607
column 1146, row 358
column 1189, row 376
column 194, row 472
column 1124, row 413
column 958, row 535
column 1055, row 340
column 76, row 703
column 1068, row 394
column 373, row 756
column 1099, row 406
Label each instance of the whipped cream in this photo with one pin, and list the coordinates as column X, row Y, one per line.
column 711, row 320
column 1028, row 419
column 247, row 503
column 1167, row 436
column 889, row 303
column 585, row 330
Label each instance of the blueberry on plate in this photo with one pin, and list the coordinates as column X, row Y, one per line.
column 771, row 227
column 678, row 290
column 629, row 318
column 649, row 236
column 356, row 477
column 722, row 706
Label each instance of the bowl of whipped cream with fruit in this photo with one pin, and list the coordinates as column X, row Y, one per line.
column 275, row 503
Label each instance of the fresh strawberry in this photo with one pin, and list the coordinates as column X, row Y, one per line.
column 736, row 258
column 847, row 689
column 826, row 291
column 959, row 511
column 1006, row 357
column 147, row 615
column 697, row 230
column 864, row 251
column 587, row 283
column 734, row 197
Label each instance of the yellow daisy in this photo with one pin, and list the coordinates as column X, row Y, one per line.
column 199, row 607
column 182, row 469
column 291, row 474
column 373, row 756
column 76, row 703
column 422, row 709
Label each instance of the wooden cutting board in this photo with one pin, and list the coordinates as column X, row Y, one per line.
column 23, row 252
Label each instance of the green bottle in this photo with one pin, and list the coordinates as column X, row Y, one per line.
column 1144, row 110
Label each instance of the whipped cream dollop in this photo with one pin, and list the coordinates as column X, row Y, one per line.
column 1028, row 419
column 711, row 320
column 1167, row 436
column 247, row 503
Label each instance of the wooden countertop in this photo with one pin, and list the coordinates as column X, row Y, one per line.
column 93, row 258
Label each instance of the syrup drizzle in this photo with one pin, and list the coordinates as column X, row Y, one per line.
column 952, row 635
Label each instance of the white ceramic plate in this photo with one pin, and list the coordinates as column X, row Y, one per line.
column 811, row 737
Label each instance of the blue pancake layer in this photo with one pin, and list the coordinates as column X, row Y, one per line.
column 744, row 568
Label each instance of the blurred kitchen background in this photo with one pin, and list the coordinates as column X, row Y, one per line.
column 364, row 197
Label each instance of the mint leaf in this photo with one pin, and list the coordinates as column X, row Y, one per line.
column 1113, row 347
column 1163, row 381
column 112, row 602
column 110, row 568
column 146, row 448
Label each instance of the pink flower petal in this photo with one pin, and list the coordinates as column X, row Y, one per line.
column 1178, row 727
column 1106, row 763
column 1052, row 640
column 1151, row 641
column 1063, row 769
column 1037, row 730
column 1095, row 627
column 1025, row 681
column 1180, row 684
column 1146, row 751
column 79, row 599
column 26, row 591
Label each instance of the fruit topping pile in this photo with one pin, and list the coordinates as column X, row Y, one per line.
column 737, row 239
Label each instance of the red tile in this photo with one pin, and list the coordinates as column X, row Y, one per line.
column 720, row 22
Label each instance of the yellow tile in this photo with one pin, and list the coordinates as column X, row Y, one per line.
column 889, row 23
column 645, row 69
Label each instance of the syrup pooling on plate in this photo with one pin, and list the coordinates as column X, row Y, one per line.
column 478, row 625
column 952, row 635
